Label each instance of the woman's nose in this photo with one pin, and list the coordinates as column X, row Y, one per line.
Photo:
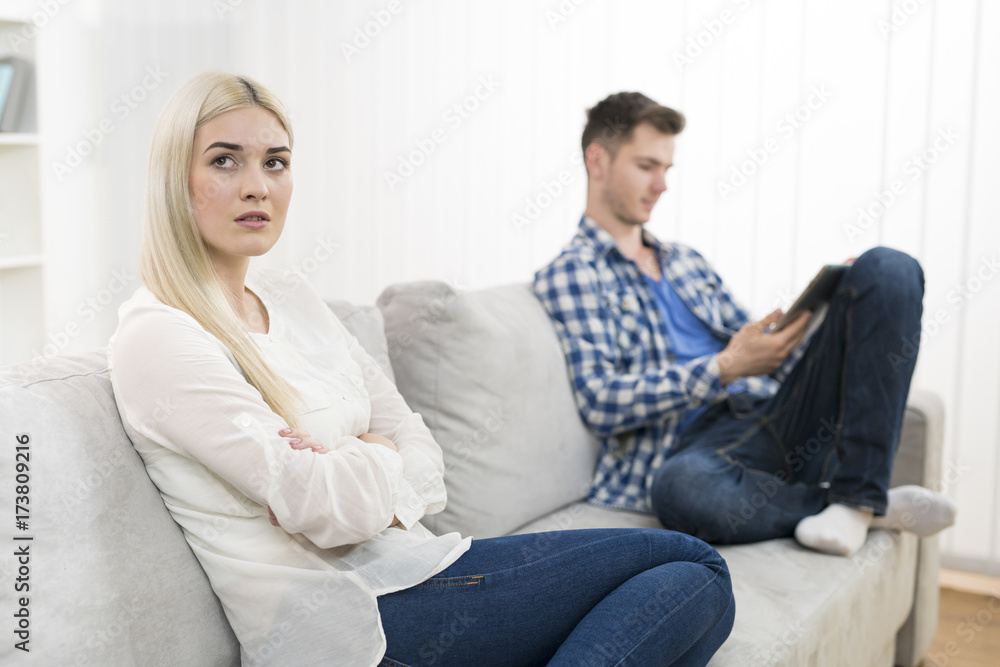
column 254, row 186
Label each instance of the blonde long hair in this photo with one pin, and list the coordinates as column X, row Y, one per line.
column 174, row 262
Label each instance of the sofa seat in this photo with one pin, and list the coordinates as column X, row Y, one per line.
column 794, row 606
column 464, row 358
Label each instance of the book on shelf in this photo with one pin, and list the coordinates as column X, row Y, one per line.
column 15, row 74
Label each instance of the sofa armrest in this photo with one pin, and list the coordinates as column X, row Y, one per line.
column 918, row 461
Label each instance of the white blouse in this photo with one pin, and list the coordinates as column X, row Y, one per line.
column 304, row 593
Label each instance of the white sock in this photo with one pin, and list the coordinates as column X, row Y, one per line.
column 839, row 529
column 917, row 510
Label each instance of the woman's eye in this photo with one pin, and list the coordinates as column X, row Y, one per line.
column 276, row 163
column 222, row 161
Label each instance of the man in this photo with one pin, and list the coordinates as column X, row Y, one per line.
column 722, row 427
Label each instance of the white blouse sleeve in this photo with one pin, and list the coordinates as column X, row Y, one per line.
column 421, row 490
column 177, row 387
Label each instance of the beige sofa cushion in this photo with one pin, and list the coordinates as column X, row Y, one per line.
column 485, row 371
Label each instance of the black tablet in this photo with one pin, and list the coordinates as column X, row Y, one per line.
column 819, row 291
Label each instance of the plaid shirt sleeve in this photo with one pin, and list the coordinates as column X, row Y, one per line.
column 615, row 394
column 734, row 315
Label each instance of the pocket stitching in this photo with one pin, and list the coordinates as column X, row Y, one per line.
column 444, row 582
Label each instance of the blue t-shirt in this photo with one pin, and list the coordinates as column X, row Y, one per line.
column 690, row 338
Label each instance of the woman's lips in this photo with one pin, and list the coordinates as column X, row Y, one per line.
column 253, row 219
column 252, row 224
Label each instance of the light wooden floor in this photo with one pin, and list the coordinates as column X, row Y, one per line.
column 968, row 626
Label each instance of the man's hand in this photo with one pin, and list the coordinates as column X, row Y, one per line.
column 376, row 439
column 753, row 352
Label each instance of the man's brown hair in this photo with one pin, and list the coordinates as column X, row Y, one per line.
column 612, row 121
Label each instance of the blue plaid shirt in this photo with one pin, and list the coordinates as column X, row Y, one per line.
column 628, row 387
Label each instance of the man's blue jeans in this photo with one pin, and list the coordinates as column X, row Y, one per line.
column 750, row 469
column 573, row 598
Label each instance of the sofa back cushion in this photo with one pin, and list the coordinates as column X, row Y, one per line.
column 486, row 372
column 112, row 580
column 365, row 323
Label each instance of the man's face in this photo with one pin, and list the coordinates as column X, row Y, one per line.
column 635, row 177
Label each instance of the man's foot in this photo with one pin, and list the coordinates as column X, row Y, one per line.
column 839, row 529
column 917, row 510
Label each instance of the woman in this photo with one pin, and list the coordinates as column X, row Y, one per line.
column 299, row 475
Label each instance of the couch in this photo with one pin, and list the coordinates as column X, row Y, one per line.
column 111, row 580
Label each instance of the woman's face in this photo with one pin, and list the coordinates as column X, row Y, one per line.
column 240, row 182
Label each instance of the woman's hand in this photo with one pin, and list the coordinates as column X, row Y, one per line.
column 301, row 439
column 298, row 439
column 376, row 439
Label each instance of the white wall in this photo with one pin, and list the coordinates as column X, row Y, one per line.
column 885, row 80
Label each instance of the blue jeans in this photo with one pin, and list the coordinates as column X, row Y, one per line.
column 573, row 598
column 751, row 468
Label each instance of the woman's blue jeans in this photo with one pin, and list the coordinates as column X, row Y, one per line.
column 573, row 598
column 750, row 469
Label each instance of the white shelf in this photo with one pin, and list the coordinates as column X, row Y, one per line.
column 18, row 139
column 22, row 262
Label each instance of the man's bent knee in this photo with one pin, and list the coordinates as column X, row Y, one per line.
column 889, row 267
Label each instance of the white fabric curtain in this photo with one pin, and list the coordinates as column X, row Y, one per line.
column 439, row 140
